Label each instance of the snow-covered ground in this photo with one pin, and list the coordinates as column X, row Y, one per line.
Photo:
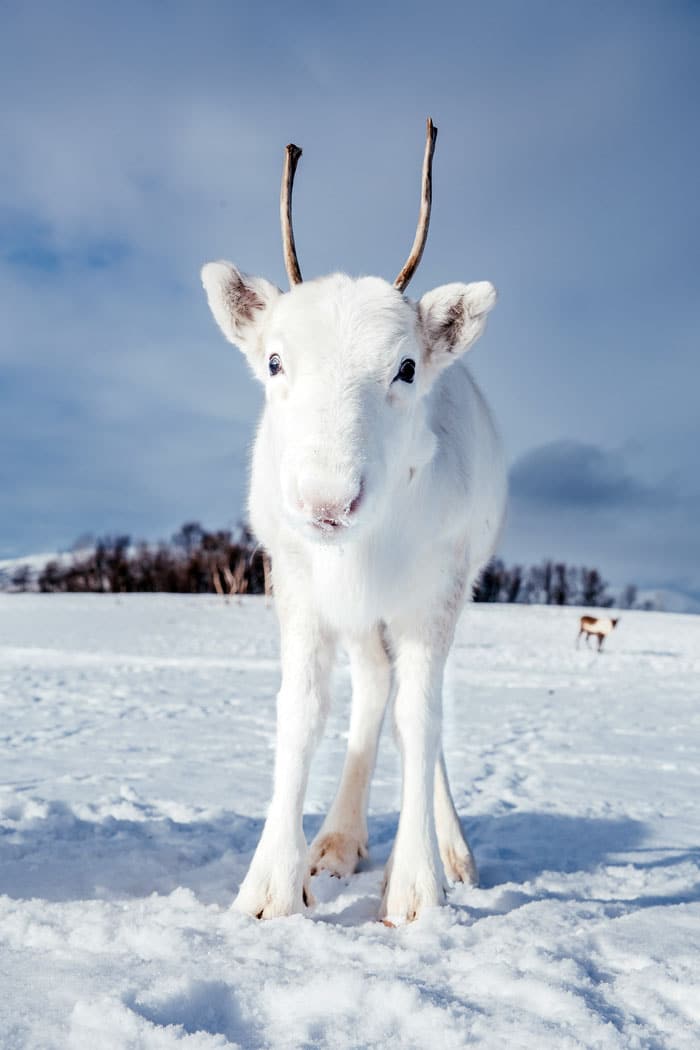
column 136, row 738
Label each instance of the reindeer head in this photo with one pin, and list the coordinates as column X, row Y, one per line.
column 347, row 365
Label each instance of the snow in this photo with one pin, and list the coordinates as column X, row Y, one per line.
column 137, row 744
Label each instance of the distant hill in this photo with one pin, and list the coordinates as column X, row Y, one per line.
column 665, row 599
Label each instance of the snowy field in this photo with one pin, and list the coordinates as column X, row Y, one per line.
column 137, row 745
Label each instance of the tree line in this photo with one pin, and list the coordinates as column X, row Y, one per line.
column 195, row 561
column 550, row 583
column 225, row 562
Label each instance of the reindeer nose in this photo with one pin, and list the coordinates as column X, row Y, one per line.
column 329, row 507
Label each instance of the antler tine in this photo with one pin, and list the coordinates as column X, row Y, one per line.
column 291, row 159
column 421, row 237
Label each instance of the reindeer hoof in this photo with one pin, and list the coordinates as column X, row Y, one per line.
column 337, row 853
column 458, row 862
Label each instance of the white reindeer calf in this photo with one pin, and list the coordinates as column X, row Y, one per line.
column 378, row 489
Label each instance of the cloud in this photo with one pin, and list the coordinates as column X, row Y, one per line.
column 588, row 505
column 30, row 244
column 577, row 476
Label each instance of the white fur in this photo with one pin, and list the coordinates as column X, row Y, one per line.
column 379, row 502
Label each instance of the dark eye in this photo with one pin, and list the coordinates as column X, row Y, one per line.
column 407, row 371
column 275, row 364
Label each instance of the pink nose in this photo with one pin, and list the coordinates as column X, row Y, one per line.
column 329, row 512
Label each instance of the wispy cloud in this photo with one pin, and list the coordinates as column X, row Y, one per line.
column 30, row 244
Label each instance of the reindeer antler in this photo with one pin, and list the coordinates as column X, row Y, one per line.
column 291, row 159
column 421, row 237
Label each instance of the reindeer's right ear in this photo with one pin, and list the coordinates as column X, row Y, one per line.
column 240, row 305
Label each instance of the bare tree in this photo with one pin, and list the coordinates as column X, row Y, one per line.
column 628, row 598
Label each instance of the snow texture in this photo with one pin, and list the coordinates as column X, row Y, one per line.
column 137, row 746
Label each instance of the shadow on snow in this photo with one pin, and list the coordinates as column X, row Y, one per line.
column 60, row 856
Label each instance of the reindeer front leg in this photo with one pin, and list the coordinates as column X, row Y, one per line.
column 342, row 839
column 415, row 877
column 277, row 881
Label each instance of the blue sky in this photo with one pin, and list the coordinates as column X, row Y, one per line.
column 140, row 140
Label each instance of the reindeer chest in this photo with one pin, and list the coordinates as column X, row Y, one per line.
column 351, row 587
column 357, row 586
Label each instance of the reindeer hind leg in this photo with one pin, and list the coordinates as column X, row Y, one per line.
column 457, row 858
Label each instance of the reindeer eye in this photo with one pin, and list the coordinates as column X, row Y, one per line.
column 275, row 365
column 407, row 371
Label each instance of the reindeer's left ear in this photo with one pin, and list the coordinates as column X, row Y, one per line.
column 453, row 317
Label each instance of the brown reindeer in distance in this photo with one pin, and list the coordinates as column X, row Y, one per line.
column 599, row 627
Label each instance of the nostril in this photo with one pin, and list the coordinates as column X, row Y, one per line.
column 357, row 500
column 331, row 513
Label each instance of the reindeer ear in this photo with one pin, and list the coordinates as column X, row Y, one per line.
column 240, row 305
column 453, row 317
